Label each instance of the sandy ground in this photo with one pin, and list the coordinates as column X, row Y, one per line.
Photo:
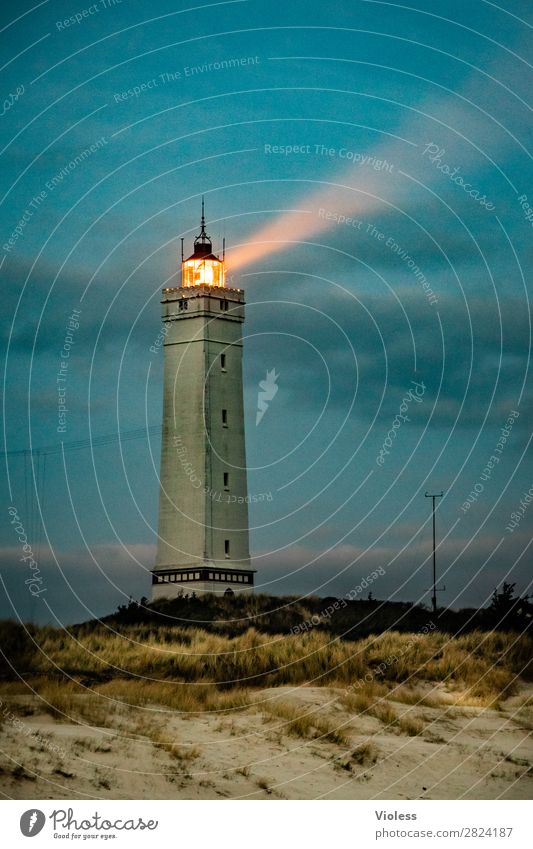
column 467, row 752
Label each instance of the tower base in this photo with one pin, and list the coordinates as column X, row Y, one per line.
column 176, row 582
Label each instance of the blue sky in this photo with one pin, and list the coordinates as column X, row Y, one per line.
column 287, row 119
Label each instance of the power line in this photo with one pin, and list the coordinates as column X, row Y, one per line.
column 80, row 444
column 34, row 474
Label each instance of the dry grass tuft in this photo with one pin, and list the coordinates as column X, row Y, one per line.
column 165, row 742
column 57, row 698
column 366, row 703
column 176, row 695
column 384, row 712
column 524, row 717
column 68, row 701
column 365, row 755
column 412, row 696
column 308, row 725
column 411, row 725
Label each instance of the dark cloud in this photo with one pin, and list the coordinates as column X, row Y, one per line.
column 476, row 348
column 76, row 585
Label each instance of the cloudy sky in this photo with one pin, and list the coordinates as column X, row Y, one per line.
column 369, row 166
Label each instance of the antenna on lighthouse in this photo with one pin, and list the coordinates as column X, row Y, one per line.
column 223, row 249
column 182, row 254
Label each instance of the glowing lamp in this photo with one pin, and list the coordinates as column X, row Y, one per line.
column 202, row 268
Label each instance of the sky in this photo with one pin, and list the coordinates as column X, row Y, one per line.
column 369, row 166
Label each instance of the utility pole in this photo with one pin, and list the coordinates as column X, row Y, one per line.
column 433, row 496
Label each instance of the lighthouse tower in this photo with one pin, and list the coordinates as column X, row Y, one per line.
column 203, row 503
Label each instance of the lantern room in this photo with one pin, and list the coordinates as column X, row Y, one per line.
column 202, row 268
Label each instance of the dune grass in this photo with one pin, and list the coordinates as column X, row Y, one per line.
column 178, row 697
column 308, row 724
column 484, row 662
column 365, row 754
column 413, row 726
column 91, row 675
column 414, row 696
column 180, row 752
column 68, row 701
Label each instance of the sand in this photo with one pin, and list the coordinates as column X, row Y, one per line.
column 461, row 753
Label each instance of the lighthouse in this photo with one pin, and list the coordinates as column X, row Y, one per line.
column 203, row 503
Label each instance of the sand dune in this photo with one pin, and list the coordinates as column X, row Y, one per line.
column 438, row 752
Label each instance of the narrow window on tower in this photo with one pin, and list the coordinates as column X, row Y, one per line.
column 224, row 418
column 223, row 362
column 226, row 480
column 226, row 547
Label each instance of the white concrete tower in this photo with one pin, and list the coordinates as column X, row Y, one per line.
column 203, row 504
